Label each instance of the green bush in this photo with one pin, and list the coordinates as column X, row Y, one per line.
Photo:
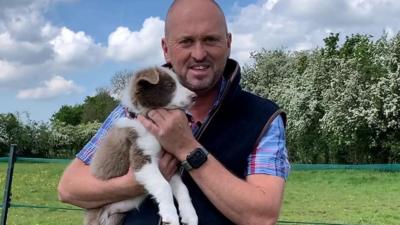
column 342, row 101
column 39, row 139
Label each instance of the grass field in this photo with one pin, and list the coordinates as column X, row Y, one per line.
column 334, row 196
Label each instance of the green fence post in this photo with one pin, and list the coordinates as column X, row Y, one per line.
column 7, row 187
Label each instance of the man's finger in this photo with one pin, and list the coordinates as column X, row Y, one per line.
column 163, row 112
column 173, row 165
column 167, row 165
column 156, row 116
column 148, row 124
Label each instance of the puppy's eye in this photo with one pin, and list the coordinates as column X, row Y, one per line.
column 169, row 85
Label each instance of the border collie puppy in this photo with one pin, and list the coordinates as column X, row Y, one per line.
column 129, row 144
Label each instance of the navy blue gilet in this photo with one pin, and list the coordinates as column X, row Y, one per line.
column 230, row 134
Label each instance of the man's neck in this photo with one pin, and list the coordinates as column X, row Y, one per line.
column 203, row 104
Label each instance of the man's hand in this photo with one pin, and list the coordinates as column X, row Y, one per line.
column 172, row 130
column 168, row 165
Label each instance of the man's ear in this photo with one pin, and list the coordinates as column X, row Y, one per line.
column 229, row 39
column 151, row 76
column 228, row 42
column 165, row 50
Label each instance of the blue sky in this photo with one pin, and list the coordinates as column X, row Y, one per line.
column 57, row 52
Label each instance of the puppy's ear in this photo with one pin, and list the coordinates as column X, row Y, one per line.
column 151, row 76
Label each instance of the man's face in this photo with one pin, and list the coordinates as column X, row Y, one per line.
column 197, row 45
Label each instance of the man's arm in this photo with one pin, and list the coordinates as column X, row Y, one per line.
column 256, row 200
column 79, row 187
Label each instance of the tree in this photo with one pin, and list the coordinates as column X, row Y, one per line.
column 342, row 101
column 98, row 107
column 119, row 82
column 31, row 137
column 9, row 127
column 69, row 114
column 67, row 139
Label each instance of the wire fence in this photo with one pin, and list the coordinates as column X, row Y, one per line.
column 298, row 167
column 376, row 167
column 294, row 166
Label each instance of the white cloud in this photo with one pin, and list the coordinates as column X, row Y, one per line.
column 54, row 87
column 20, row 24
column 269, row 5
column 302, row 24
column 32, row 49
column 23, row 52
column 75, row 49
column 7, row 70
column 242, row 44
column 142, row 47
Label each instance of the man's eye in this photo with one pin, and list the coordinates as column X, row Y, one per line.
column 211, row 40
column 186, row 42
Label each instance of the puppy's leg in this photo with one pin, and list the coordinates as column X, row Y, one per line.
column 154, row 182
column 114, row 219
column 112, row 213
column 181, row 193
column 92, row 216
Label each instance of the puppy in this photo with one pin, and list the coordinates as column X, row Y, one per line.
column 129, row 144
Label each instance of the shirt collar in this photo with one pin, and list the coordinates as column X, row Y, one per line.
column 217, row 100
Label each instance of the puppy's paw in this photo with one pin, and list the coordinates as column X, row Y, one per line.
column 170, row 223
column 190, row 220
column 170, row 220
column 188, row 215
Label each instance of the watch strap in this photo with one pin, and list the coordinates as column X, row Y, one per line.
column 186, row 165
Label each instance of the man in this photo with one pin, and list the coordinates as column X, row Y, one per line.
column 241, row 179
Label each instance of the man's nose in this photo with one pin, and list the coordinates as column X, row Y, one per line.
column 199, row 53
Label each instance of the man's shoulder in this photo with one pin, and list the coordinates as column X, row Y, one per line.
column 258, row 101
column 257, row 106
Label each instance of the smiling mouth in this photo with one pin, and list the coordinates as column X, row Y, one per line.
column 199, row 67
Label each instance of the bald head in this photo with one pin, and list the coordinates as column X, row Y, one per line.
column 186, row 7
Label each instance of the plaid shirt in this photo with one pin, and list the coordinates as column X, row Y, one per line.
column 88, row 150
column 270, row 157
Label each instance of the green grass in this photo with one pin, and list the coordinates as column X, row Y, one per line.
column 35, row 184
column 343, row 196
column 334, row 196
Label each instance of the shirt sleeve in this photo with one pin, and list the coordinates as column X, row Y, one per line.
column 271, row 157
column 87, row 151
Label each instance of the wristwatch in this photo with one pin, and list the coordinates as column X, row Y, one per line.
column 195, row 159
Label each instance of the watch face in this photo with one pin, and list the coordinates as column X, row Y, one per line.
column 197, row 158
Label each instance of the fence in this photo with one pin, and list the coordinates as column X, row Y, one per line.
column 12, row 159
